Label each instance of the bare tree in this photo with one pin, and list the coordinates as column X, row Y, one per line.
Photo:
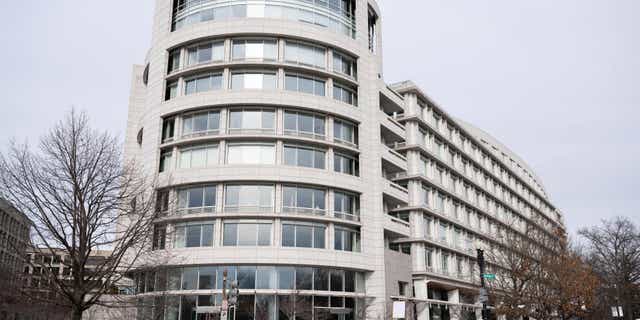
column 613, row 250
column 81, row 197
column 539, row 275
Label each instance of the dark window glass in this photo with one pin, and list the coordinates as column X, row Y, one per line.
column 193, row 236
column 286, row 277
column 245, row 307
column 304, row 278
column 207, row 278
column 337, row 280
column 188, row 307
column 321, row 279
column 247, row 277
column 189, row 278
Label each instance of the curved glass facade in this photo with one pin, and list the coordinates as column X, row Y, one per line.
column 336, row 15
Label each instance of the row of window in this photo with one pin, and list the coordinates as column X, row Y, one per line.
column 448, row 178
column 207, row 156
column 260, row 120
column 261, row 197
column 251, row 277
column 262, row 80
column 252, row 306
column 484, row 159
column 335, row 15
column 258, row 233
column 261, row 49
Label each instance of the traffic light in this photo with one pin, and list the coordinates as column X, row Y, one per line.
column 233, row 293
column 480, row 258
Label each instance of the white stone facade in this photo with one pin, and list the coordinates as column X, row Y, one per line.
column 237, row 114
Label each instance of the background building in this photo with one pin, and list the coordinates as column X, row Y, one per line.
column 284, row 158
column 14, row 237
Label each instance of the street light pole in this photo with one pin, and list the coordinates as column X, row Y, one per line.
column 484, row 297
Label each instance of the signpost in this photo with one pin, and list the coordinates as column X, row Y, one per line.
column 484, row 296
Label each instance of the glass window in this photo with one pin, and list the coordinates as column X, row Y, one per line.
column 304, row 278
column 337, row 281
column 168, row 126
column 246, row 234
column 346, row 206
column 304, row 157
column 304, row 124
column 193, row 235
column 198, row 157
column 252, row 121
column 207, row 278
column 305, row 84
column 249, row 198
column 303, row 235
column 286, row 277
column 258, row 49
column 190, row 278
column 305, row 54
column 165, row 161
column 205, row 53
column 344, row 64
column 202, row 123
column 171, row 90
column 253, row 80
column 244, row 153
column 188, row 307
column 303, row 200
column 231, row 275
column 321, row 279
column 174, row 60
column 246, row 277
column 203, row 83
column 197, row 199
column 345, row 94
column 345, row 132
column 347, row 240
column 266, row 278
column 345, row 164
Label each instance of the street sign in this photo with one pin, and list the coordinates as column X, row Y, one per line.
column 488, row 275
column 484, row 296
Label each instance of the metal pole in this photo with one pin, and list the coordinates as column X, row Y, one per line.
column 225, row 302
column 483, row 290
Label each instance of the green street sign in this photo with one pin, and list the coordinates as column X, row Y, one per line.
column 488, row 275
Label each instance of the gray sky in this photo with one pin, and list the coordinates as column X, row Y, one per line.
column 556, row 81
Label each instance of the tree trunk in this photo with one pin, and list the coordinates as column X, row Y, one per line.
column 77, row 313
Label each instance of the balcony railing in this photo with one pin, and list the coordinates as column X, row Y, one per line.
column 304, row 211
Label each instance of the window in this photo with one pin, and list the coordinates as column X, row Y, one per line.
column 304, row 157
column 168, row 126
column 252, row 120
column 346, row 206
column 305, row 54
column 345, row 132
column 174, row 60
column 305, row 84
column 249, row 198
column 445, row 263
column 443, row 232
column 203, row 83
column 197, row 199
column 165, row 160
column 251, row 153
column 303, row 235
column 344, row 64
column 346, row 240
column 304, row 124
column 207, row 278
column 372, row 30
column 198, row 157
column 303, row 200
column 345, row 164
column 424, row 195
column 202, row 123
column 193, row 235
column 205, row 53
column 253, row 80
column 427, row 227
column 254, row 49
column 428, row 258
column 246, row 234
column 345, row 94
column 171, row 91
column 159, row 237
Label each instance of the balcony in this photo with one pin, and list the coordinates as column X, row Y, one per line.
column 393, row 161
column 398, row 226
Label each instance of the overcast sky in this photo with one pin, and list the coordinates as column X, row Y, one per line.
column 556, row 81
